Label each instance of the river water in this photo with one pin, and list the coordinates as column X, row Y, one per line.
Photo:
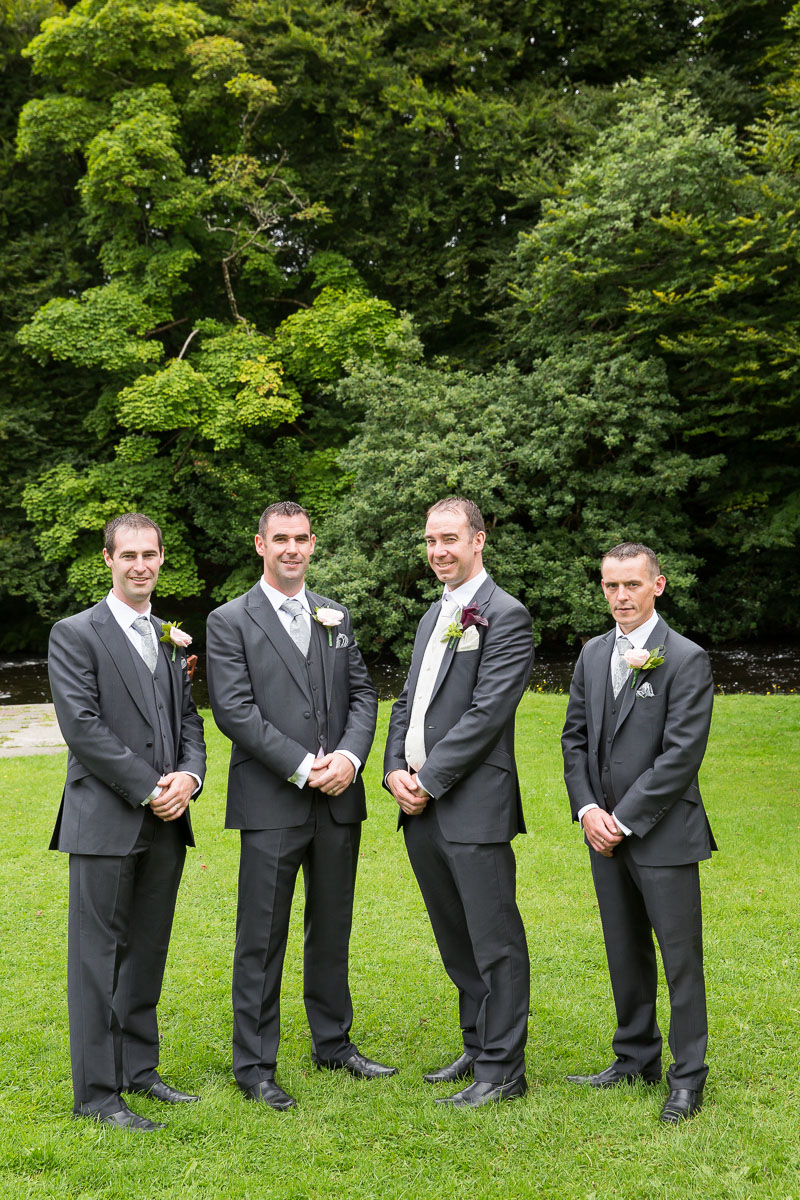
column 762, row 668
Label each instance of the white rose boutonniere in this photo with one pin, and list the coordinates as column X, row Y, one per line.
column 329, row 618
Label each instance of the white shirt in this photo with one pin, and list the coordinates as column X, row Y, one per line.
column 452, row 601
column 124, row 615
column 276, row 599
column 637, row 638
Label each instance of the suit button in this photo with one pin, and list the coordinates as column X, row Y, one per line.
column 149, row 745
column 605, row 770
column 307, row 715
column 605, row 797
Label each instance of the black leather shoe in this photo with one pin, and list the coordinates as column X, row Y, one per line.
column 162, row 1091
column 356, row 1064
column 460, row 1069
column 681, row 1103
column 475, row 1095
column 122, row 1119
column 611, row 1077
column 270, row 1093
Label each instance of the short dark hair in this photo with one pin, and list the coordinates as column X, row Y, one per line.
column 467, row 507
column 633, row 550
column 281, row 508
column 132, row 521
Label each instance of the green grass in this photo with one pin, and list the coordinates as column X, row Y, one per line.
column 388, row 1139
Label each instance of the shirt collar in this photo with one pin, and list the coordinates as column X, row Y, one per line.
column 122, row 613
column 277, row 598
column 463, row 594
column 638, row 636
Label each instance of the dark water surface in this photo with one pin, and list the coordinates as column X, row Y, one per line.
column 744, row 668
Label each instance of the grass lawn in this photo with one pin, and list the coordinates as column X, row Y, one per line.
column 387, row 1139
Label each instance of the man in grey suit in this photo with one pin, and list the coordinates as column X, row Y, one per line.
column 636, row 730
column 450, row 765
column 136, row 756
column 290, row 689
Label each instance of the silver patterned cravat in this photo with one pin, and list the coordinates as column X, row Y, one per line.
column 619, row 668
column 299, row 630
column 149, row 649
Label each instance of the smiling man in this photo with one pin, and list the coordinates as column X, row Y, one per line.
column 635, row 734
column 450, row 765
column 136, row 757
column 290, row 689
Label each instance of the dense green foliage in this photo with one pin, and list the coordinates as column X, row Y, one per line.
column 542, row 253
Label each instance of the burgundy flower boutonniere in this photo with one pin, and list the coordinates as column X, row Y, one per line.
column 469, row 615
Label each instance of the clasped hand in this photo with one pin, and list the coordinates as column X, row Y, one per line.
column 332, row 773
column 602, row 832
column 407, row 792
column 176, row 792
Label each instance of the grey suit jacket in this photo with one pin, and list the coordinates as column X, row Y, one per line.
column 469, row 726
column 261, row 700
column 107, row 721
column 657, row 748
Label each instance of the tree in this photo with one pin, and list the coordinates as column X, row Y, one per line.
column 673, row 240
column 564, row 462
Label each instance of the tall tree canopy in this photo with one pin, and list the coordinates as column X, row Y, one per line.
column 259, row 249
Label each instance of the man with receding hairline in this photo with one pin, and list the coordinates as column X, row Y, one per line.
column 450, row 765
column 136, row 757
column 635, row 734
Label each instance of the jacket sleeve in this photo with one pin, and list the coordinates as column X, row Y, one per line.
column 362, row 714
column 191, row 746
column 575, row 744
column 73, row 683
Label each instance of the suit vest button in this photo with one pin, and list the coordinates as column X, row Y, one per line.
column 307, row 716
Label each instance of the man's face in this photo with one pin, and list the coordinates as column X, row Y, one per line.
column 455, row 555
column 630, row 587
column 134, row 565
column 286, row 547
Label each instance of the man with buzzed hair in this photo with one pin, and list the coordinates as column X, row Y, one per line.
column 450, row 765
column 290, row 689
column 136, row 757
column 635, row 734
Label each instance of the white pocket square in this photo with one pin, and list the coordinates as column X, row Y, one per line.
column 469, row 639
column 644, row 691
column 342, row 640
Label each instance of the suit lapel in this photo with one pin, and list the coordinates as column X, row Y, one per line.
column 598, row 681
column 327, row 648
column 120, row 651
column 481, row 598
column 424, row 632
column 260, row 610
column 657, row 637
column 175, row 673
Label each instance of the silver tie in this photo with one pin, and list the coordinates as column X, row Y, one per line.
column 299, row 630
column 619, row 668
column 149, row 648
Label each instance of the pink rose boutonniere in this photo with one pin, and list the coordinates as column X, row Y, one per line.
column 469, row 615
column 643, row 660
column 329, row 618
column 173, row 635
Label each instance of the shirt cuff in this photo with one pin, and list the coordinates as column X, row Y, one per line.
column 352, row 757
column 300, row 776
column 583, row 811
column 423, row 785
column 622, row 828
